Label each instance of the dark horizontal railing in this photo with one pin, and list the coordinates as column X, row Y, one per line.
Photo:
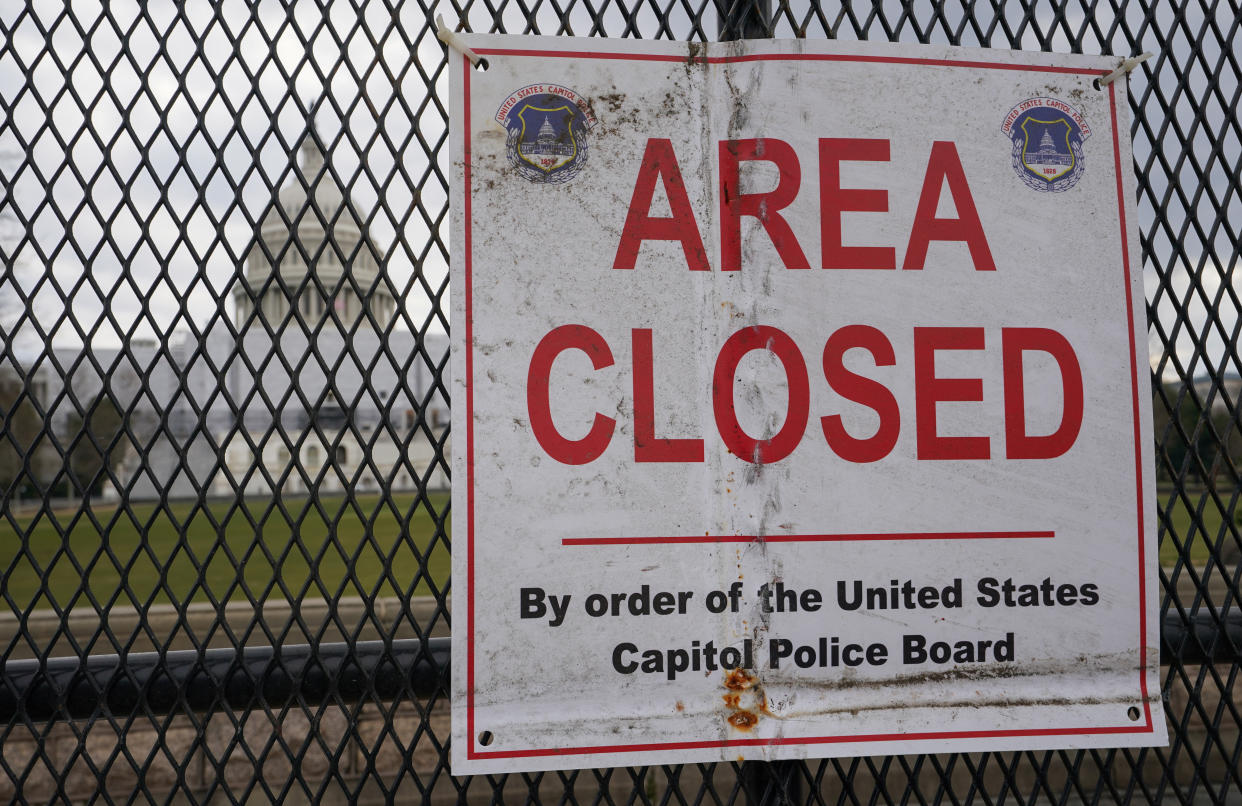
column 311, row 675
column 213, row 679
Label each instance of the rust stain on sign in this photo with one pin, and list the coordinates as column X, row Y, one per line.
column 739, row 680
column 743, row 683
column 743, row 720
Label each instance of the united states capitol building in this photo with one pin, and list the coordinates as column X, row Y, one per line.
column 314, row 386
column 361, row 406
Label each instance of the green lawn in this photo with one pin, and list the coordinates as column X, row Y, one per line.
column 332, row 545
column 320, row 550
column 1181, row 519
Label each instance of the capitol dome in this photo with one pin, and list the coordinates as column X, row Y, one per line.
column 292, row 238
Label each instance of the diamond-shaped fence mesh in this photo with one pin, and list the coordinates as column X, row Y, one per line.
column 224, row 508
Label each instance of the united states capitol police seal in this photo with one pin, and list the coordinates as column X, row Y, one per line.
column 549, row 129
column 1046, row 135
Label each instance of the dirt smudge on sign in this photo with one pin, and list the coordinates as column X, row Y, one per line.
column 967, row 704
column 613, row 101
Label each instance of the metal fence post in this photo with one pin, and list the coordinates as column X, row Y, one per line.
column 777, row 782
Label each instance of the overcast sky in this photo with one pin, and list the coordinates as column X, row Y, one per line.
column 165, row 137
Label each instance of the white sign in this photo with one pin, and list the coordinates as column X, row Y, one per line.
column 800, row 405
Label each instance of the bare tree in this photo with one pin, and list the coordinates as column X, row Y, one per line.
column 99, row 442
column 24, row 447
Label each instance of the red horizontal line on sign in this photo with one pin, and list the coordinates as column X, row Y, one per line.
column 805, row 57
column 824, row 538
column 793, row 740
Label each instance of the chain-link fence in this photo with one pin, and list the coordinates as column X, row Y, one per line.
column 224, row 509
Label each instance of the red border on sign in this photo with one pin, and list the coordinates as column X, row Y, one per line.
column 473, row 753
column 469, row 323
column 842, row 537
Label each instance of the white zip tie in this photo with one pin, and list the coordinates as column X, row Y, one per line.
column 448, row 37
column 1126, row 66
